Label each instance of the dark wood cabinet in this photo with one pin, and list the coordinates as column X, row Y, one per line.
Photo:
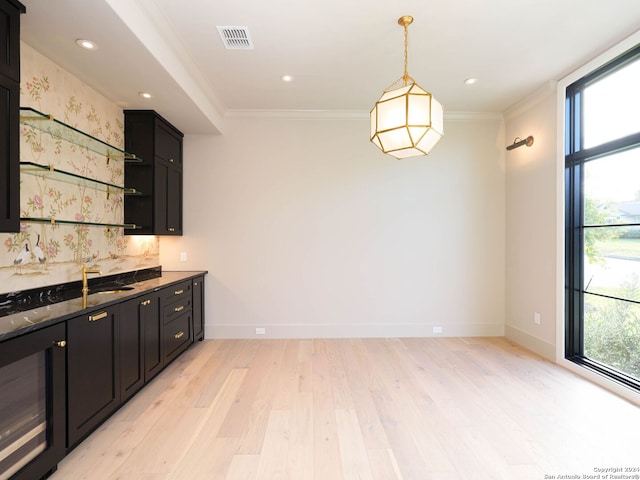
column 131, row 345
column 177, row 319
column 198, row 308
column 176, row 300
column 91, row 364
column 93, row 374
column 158, row 210
column 10, row 11
column 113, row 352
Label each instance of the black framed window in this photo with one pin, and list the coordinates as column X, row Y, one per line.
column 602, row 220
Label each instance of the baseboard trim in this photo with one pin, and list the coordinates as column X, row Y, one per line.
column 541, row 347
column 394, row 330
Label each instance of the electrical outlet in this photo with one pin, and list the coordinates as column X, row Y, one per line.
column 437, row 329
column 261, row 331
column 536, row 318
column 183, row 256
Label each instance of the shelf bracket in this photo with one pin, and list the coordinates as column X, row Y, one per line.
column 45, row 118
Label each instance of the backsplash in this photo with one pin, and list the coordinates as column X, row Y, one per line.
column 44, row 254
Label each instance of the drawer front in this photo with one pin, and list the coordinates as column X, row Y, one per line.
column 176, row 300
column 176, row 292
column 177, row 336
column 175, row 309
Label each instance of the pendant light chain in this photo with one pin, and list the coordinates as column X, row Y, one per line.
column 405, row 77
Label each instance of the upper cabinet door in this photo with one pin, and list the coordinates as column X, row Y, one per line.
column 10, row 115
column 168, row 144
column 9, row 155
column 10, row 38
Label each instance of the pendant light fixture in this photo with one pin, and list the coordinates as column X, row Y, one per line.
column 406, row 121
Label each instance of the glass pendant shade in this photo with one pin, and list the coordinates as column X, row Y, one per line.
column 407, row 121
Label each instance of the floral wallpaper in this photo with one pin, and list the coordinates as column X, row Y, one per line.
column 46, row 253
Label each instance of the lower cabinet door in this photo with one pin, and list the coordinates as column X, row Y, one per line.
column 131, row 349
column 152, row 335
column 93, row 388
column 198, row 308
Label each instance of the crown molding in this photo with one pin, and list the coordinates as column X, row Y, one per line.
column 530, row 101
column 471, row 116
column 350, row 114
column 239, row 113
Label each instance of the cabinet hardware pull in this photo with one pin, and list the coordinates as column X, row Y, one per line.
column 145, row 303
column 179, row 309
column 171, row 229
column 98, row 316
column 61, row 343
column 171, row 160
column 178, row 292
column 178, row 335
column 195, row 284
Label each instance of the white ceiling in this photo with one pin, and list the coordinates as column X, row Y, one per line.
column 341, row 53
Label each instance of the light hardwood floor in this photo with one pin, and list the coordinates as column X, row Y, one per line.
column 442, row 408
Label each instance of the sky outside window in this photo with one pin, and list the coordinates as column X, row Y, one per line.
column 611, row 106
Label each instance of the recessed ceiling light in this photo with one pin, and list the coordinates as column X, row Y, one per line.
column 470, row 81
column 146, row 95
column 287, row 78
column 86, row 44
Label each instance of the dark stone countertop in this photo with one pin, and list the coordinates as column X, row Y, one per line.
column 40, row 317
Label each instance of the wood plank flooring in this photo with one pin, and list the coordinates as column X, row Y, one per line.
column 401, row 409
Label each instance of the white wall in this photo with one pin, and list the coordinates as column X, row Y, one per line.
column 308, row 230
column 531, row 223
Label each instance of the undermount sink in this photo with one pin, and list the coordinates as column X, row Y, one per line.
column 112, row 290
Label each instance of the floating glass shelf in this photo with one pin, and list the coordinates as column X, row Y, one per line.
column 31, row 168
column 58, row 129
column 54, row 221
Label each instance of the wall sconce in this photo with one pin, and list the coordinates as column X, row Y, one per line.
column 518, row 143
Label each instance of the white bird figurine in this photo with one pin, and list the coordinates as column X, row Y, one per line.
column 23, row 258
column 38, row 252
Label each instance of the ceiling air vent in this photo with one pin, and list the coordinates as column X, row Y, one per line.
column 236, row 38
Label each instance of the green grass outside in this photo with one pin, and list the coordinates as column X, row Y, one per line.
column 620, row 247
